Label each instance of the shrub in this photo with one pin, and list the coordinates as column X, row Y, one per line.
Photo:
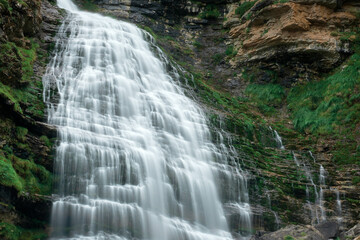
column 244, row 7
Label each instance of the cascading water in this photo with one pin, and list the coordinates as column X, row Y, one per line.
column 134, row 157
column 278, row 139
column 321, row 192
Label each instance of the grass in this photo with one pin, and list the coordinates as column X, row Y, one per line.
column 266, row 96
column 326, row 105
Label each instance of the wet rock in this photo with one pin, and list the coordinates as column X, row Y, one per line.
column 295, row 231
column 34, row 206
column 353, row 233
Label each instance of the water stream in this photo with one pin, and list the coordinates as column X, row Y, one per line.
column 134, row 158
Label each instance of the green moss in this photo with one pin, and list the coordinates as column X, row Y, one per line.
column 28, row 96
column 21, row 133
column 356, row 180
column 35, row 178
column 46, row 140
column 8, row 176
column 10, row 51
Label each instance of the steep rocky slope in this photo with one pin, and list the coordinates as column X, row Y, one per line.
column 27, row 30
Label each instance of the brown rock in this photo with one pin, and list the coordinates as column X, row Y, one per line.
column 298, row 32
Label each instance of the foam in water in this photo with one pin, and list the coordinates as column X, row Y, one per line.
column 134, row 156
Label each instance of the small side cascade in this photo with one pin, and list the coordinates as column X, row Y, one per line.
column 317, row 209
column 278, row 139
column 312, row 156
column 295, row 159
column 276, row 216
column 321, row 193
column 338, row 205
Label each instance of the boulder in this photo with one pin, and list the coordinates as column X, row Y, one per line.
column 328, row 229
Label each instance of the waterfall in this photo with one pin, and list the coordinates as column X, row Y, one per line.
column 321, row 192
column 134, row 157
column 278, row 139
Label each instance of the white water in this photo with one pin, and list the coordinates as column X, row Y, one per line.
column 317, row 210
column 134, row 159
column 278, row 139
column 321, row 192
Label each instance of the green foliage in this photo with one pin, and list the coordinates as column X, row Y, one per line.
column 9, row 231
column 323, row 106
column 210, row 12
column 244, row 7
column 230, row 51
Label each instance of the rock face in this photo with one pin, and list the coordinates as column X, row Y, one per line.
column 353, row 233
column 27, row 30
column 301, row 35
column 294, row 232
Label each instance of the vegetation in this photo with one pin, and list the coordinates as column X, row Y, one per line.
column 9, row 231
column 266, row 96
column 331, row 107
column 244, row 7
column 210, row 12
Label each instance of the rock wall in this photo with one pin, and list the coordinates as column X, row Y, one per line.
column 27, row 30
